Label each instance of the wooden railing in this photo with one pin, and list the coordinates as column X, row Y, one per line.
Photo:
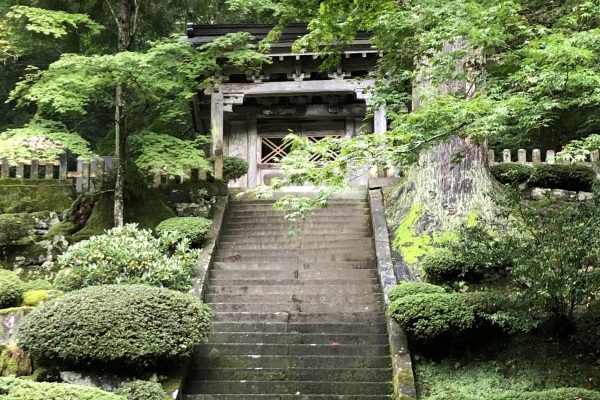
column 536, row 158
column 88, row 174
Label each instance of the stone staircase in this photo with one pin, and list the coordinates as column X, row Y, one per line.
column 296, row 317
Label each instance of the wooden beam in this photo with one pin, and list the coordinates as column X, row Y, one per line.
column 252, row 152
column 289, row 88
column 216, row 112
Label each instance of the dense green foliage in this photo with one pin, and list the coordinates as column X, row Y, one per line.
column 11, row 288
column 24, row 389
column 234, row 168
column 118, row 325
column 441, row 265
column 14, row 228
column 37, row 284
column 127, row 255
column 427, row 316
column 142, row 390
column 568, row 177
column 407, row 288
column 551, row 394
column 511, row 173
column 192, row 228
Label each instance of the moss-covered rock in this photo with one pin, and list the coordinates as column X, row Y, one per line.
column 15, row 362
column 34, row 298
column 31, row 195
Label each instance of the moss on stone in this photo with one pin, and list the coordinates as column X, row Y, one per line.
column 411, row 245
column 147, row 211
column 63, row 228
column 14, row 361
column 15, row 309
column 33, row 298
column 99, row 220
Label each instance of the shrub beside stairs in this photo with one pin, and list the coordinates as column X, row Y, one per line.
column 296, row 317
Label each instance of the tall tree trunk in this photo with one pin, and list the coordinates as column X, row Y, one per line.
column 126, row 20
column 449, row 185
column 120, row 154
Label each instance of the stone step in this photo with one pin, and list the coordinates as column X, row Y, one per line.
column 283, row 397
column 296, row 308
column 295, row 317
column 292, row 298
column 365, row 244
column 301, row 274
column 340, row 339
column 333, row 203
column 298, row 265
column 293, row 349
column 292, row 239
column 279, row 224
column 293, row 282
column 286, row 387
column 349, row 249
column 349, row 288
column 351, row 210
column 322, row 362
column 321, row 327
column 283, row 230
column 303, row 256
column 295, row 374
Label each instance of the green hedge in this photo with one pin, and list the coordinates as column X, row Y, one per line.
column 22, row 389
column 567, row 177
column 426, row 316
column 550, row 176
column 442, row 265
column 142, row 390
column 407, row 288
column 508, row 173
column 550, row 394
column 11, row 288
column 131, row 325
column 193, row 228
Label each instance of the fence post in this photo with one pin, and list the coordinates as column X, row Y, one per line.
column 35, row 169
column 85, row 176
column 62, row 174
column 522, row 156
column 536, row 157
column 100, row 166
column 506, row 158
column 20, row 170
column 5, row 168
column 550, row 157
column 594, row 159
column 49, row 170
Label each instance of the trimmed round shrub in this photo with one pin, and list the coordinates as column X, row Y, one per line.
column 233, row 168
column 127, row 255
column 11, row 288
column 193, row 228
column 142, row 390
column 407, row 288
column 116, row 325
column 567, row 177
column 14, row 228
column 442, row 265
column 511, row 173
column 426, row 316
column 24, row 389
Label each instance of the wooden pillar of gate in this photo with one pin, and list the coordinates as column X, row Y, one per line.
column 216, row 117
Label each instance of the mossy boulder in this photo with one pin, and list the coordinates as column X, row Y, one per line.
column 31, row 195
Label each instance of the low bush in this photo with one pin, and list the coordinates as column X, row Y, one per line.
column 567, row 177
column 441, row 265
column 142, row 390
column 407, row 288
column 116, row 325
column 23, row 389
column 192, row 228
column 33, row 298
column 512, row 173
column 11, row 288
column 127, row 255
column 14, row 228
column 37, row 284
column 550, row 394
column 426, row 316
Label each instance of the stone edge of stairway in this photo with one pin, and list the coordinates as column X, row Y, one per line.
column 404, row 380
